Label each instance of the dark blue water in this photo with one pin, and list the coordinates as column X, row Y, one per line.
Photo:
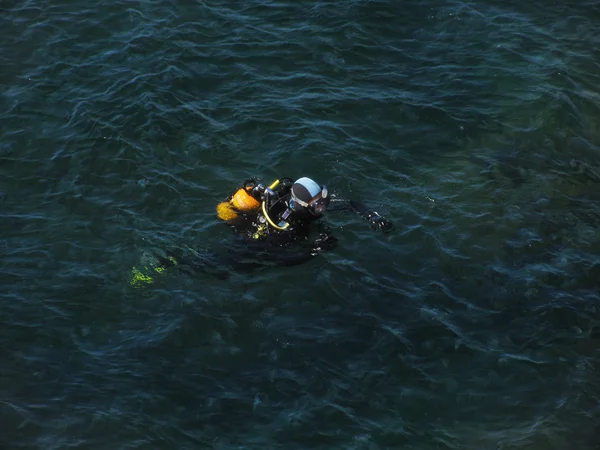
column 472, row 125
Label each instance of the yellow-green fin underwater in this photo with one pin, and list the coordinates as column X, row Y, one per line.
column 139, row 278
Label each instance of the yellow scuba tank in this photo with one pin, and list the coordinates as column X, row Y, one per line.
column 242, row 200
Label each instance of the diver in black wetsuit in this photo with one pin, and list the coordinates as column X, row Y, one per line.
column 275, row 223
column 283, row 212
column 273, row 226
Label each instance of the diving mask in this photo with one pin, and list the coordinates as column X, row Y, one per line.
column 317, row 205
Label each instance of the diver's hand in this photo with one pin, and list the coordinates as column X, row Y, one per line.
column 379, row 223
column 325, row 242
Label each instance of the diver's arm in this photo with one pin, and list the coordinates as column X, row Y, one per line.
column 377, row 221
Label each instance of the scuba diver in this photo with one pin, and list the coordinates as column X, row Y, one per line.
column 273, row 226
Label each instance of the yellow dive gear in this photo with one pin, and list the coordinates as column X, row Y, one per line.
column 244, row 201
column 264, row 210
column 240, row 201
column 225, row 211
column 277, row 227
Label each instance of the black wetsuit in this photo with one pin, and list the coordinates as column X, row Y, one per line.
column 258, row 244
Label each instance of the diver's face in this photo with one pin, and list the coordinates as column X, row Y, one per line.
column 318, row 206
column 303, row 212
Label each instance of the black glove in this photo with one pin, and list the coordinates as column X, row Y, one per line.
column 379, row 222
column 325, row 242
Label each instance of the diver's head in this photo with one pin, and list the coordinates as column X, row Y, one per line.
column 308, row 198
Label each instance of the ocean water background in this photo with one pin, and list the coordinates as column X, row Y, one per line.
column 474, row 126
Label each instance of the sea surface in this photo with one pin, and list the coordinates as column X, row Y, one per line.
column 473, row 125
